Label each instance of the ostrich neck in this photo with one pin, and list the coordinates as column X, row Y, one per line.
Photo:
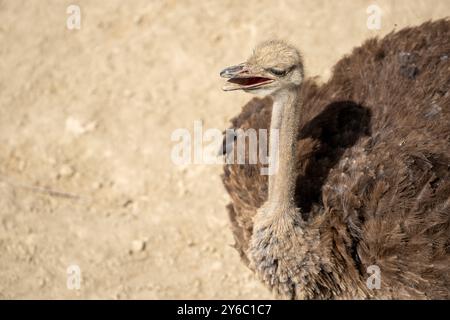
column 285, row 119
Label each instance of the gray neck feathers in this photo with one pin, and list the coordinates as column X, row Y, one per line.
column 283, row 155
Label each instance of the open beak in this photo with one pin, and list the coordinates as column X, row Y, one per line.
column 240, row 77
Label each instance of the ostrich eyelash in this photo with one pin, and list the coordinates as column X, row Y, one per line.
column 277, row 72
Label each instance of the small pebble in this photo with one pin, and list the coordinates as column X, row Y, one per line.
column 190, row 243
column 97, row 185
column 138, row 19
column 127, row 202
column 66, row 171
column 137, row 246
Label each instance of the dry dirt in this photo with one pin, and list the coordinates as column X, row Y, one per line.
column 86, row 117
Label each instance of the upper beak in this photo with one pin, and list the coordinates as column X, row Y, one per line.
column 232, row 71
column 241, row 77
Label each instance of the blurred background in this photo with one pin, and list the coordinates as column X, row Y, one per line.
column 86, row 116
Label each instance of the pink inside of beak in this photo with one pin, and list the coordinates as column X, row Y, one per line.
column 250, row 81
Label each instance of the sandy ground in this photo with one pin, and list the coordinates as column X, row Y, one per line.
column 86, row 116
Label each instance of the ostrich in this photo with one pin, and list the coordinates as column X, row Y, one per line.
column 363, row 181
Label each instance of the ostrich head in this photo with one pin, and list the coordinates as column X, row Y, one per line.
column 274, row 65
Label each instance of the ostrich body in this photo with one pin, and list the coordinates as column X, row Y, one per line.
column 363, row 175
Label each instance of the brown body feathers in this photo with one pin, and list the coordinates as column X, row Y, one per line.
column 373, row 152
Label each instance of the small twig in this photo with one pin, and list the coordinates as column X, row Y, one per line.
column 44, row 190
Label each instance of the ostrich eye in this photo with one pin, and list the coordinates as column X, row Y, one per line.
column 277, row 72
